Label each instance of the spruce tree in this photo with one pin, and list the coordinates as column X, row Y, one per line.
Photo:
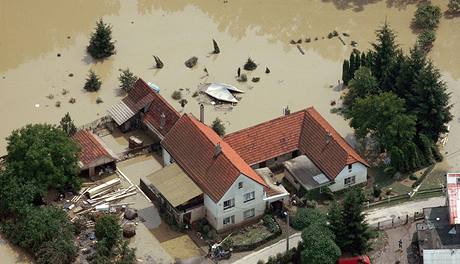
column 352, row 66
column 93, row 83
column 127, row 80
column 346, row 72
column 385, row 58
column 432, row 108
column 67, row 125
column 454, row 6
column 363, row 59
column 101, row 44
column 335, row 220
column 356, row 233
column 362, row 85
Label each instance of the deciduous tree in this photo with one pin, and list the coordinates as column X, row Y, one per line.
column 67, row 125
column 218, row 126
column 319, row 246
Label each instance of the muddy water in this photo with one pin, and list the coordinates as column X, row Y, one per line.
column 34, row 32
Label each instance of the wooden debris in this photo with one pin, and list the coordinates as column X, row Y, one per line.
column 216, row 47
column 103, row 187
column 158, row 63
column 300, row 49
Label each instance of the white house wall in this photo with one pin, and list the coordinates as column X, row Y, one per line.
column 358, row 170
column 167, row 159
column 215, row 212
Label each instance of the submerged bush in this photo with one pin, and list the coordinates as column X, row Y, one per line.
column 427, row 16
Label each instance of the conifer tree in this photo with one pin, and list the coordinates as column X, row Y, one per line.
column 67, row 125
column 364, row 60
column 127, row 80
column 385, row 58
column 93, row 83
column 346, row 72
column 356, row 233
column 454, row 6
column 101, row 44
column 335, row 219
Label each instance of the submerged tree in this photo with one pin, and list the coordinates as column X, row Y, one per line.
column 454, row 6
column 386, row 58
column 44, row 155
column 101, row 44
column 362, row 85
column 427, row 16
column 218, row 126
column 127, row 80
column 67, row 125
column 93, row 83
column 346, row 72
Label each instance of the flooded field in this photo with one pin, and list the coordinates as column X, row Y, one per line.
column 44, row 54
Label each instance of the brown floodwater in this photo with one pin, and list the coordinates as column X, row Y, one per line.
column 35, row 32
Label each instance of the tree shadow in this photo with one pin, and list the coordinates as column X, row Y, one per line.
column 87, row 59
column 356, row 5
column 451, row 15
column 401, row 4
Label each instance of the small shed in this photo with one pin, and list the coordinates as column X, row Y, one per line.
column 94, row 157
column 170, row 187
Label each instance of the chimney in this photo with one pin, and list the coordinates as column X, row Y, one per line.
column 162, row 120
column 217, row 150
column 202, row 113
column 286, row 110
column 328, row 137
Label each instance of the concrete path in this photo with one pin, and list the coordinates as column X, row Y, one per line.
column 272, row 250
column 409, row 208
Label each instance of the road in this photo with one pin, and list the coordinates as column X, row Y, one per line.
column 409, row 208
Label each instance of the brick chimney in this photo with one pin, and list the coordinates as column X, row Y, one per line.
column 202, row 113
column 162, row 120
column 217, row 150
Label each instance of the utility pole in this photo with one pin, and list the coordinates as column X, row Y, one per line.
column 287, row 231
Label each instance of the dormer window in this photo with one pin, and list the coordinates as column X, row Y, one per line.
column 350, row 167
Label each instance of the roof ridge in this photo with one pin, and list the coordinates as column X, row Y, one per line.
column 335, row 135
column 227, row 148
column 265, row 122
column 159, row 96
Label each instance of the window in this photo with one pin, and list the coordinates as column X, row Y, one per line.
column 249, row 196
column 350, row 166
column 240, row 185
column 249, row 213
column 350, row 180
column 229, row 204
column 229, row 220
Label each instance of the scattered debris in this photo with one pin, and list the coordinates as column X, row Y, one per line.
column 99, row 100
column 58, row 104
column 299, row 41
column 242, row 78
column 176, row 95
column 68, row 37
column 158, row 63
column 341, row 39
column 50, row 96
column 238, row 72
column 345, row 34
column 72, row 100
column 195, row 94
column 70, row 74
column 59, row 54
column 92, row 192
column 354, row 43
column 292, row 42
column 183, row 102
column 255, row 79
column 307, row 40
column 191, row 62
column 300, row 49
column 64, row 91
column 216, row 47
column 250, row 65
column 333, row 103
column 316, row 38
column 267, row 70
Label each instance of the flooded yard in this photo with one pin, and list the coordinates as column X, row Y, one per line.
column 43, row 55
column 56, row 58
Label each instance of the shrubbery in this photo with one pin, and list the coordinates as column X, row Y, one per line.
column 427, row 16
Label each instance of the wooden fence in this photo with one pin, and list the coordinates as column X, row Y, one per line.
column 98, row 123
column 397, row 221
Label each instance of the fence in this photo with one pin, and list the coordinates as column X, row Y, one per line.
column 407, row 197
column 397, row 221
column 98, row 123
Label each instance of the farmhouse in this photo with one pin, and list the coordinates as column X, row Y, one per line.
column 320, row 156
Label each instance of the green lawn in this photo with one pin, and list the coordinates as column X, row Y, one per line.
column 251, row 235
column 386, row 182
column 436, row 177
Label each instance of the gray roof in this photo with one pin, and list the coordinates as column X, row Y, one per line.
column 436, row 232
column 306, row 172
column 120, row 113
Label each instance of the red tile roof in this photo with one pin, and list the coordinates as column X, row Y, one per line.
column 453, row 191
column 91, row 148
column 304, row 130
column 158, row 107
column 269, row 139
column 139, row 96
column 192, row 145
